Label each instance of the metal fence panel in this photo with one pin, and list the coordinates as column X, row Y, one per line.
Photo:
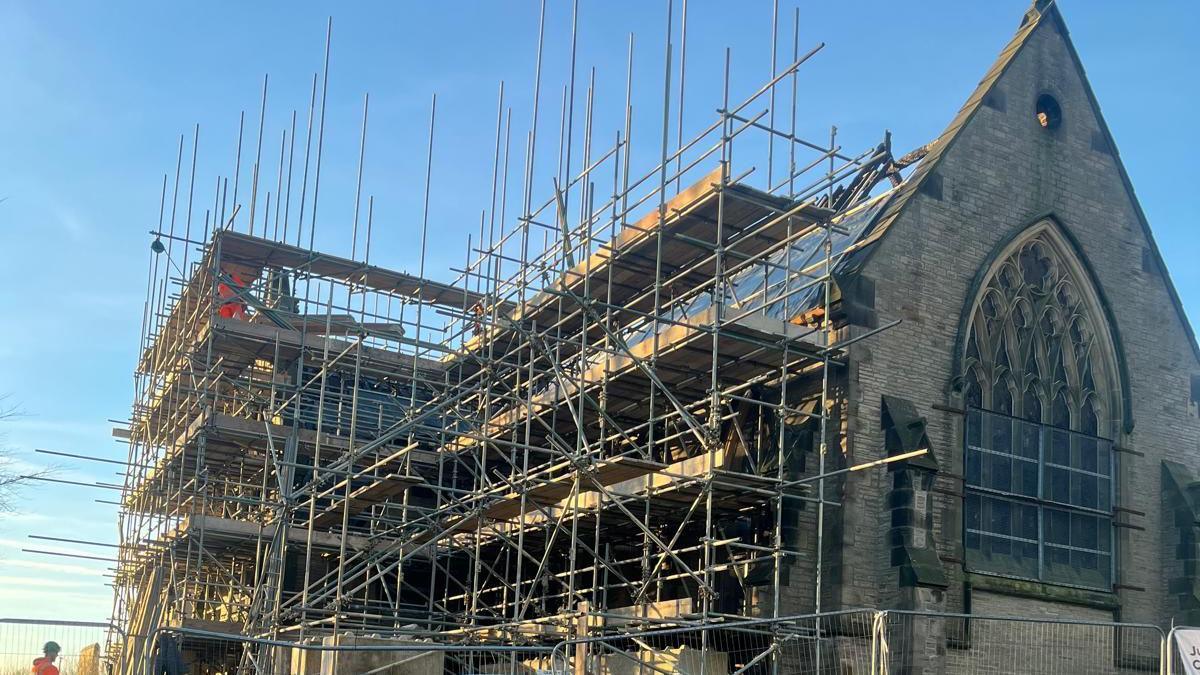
column 199, row 652
column 970, row 644
column 844, row 643
column 875, row 643
column 828, row 644
column 21, row 641
column 1182, row 651
column 833, row 644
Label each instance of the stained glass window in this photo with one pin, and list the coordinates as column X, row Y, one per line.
column 1038, row 461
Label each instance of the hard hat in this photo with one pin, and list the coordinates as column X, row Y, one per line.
column 52, row 648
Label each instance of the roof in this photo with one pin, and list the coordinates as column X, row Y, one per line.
column 258, row 252
column 770, row 287
column 938, row 148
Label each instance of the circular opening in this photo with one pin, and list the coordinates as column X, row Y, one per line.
column 1049, row 115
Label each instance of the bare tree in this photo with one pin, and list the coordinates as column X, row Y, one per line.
column 11, row 478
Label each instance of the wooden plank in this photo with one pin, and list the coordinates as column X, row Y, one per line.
column 655, row 611
column 619, row 469
column 258, row 340
column 555, row 491
column 228, row 436
column 343, row 324
column 672, row 345
column 241, row 533
column 691, row 218
column 556, row 625
column 654, row 481
column 256, row 251
column 228, row 627
column 238, row 343
column 376, row 492
column 668, row 490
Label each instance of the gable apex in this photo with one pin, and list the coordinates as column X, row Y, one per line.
column 1052, row 12
column 988, row 95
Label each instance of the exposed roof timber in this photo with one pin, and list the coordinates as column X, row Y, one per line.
column 621, row 268
column 254, row 251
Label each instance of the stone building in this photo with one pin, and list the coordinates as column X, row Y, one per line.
column 970, row 393
column 1044, row 358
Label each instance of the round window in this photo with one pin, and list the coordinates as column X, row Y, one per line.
column 1049, row 115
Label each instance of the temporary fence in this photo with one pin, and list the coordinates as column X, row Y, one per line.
column 1181, row 651
column 839, row 642
column 877, row 643
column 849, row 642
column 201, row 652
column 22, row 640
column 966, row 643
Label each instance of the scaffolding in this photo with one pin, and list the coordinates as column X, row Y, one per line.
column 623, row 414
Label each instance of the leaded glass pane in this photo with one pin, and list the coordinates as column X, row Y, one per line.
column 1002, row 535
column 1002, row 460
column 1031, row 408
column 1028, row 450
column 974, row 428
column 1038, row 472
column 1000, row 434
column 1078, row 470
column 1078, row 548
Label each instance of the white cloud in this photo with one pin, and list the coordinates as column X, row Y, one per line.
column 57, row 568
column 27, row 517
column 71, row 223
column 21, row 466
column 52, row 546
column 52, row 603
column 68, row 427
column 41, row 582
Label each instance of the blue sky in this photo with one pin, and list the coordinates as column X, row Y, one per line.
column 96, row 95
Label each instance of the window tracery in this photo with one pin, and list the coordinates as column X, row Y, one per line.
column 1036, row 385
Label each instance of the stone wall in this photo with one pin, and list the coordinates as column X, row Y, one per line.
column 1001, row 174
column 399, row 662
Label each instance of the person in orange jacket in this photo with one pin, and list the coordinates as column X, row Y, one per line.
column 232, row 305
column 45, row 664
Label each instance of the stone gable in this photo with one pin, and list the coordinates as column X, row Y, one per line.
column 1000, row 173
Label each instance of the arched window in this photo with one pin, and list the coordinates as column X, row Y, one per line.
column 1039, row 388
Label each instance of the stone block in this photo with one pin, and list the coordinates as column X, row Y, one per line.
column 398, row 662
